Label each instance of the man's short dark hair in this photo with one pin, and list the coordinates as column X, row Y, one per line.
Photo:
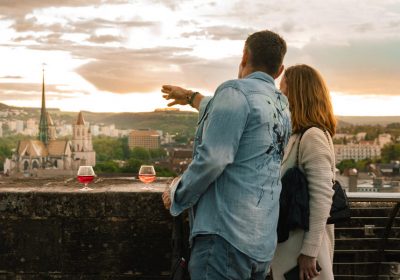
column 266, row 51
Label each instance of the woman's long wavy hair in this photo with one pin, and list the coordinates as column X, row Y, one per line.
column 309, row 99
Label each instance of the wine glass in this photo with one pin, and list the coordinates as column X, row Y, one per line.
column 85, row 176
column 147, row 174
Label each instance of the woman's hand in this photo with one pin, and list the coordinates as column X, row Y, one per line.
column 180, row 95
column 166, row 197
column 308, row 267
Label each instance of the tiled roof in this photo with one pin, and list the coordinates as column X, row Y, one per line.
column 182, row 153
column 57, row 147
column 32, row 148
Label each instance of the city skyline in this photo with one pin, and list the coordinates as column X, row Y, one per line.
column 113, row 56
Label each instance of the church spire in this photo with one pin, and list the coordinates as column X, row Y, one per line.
column 43, row 126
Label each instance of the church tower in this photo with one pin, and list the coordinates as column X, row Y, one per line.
column 43, row 125
column 82, row 142
column 51, row 131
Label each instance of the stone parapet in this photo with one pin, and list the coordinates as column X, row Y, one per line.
column 51, row 230
column 54, row 231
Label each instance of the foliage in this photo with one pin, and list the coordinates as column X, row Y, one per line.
column 108, row 148
column 107, row 167
column 164, row 172
column 8, row 145
column 132, row 166
column 157, row 154
column 390, row 152
column 345, row 164
column 140, row 153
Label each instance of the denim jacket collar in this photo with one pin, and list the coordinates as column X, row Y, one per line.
column 261, row 76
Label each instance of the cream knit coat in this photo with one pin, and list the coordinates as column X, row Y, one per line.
column 316, row 158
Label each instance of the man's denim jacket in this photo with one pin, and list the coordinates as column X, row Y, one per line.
column 232, row 186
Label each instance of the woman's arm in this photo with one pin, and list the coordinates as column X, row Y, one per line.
column 316, row 159
column 181, row 96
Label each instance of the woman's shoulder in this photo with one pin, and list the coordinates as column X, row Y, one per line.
column 315, row 136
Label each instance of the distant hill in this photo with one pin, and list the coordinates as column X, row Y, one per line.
column 170, row 121
column 367, row 120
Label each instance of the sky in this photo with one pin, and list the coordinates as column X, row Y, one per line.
column 114, row 55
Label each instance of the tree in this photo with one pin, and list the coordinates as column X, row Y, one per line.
column 157, row 154
column 345, row 164
column 107, row 167
column 108, row 148
column 164, row 172
column 132, row 166
column 140, row 153
column 390, row 152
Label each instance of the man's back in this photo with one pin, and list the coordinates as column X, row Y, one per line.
column 244, row 131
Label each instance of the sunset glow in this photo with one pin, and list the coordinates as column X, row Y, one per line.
column 113, row 56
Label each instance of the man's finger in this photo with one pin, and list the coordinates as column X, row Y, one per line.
column 166, row 87
column 172, row 103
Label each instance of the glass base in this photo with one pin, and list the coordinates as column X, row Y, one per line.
column 85, row 189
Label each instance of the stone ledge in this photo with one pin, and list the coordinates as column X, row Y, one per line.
column 117, row 231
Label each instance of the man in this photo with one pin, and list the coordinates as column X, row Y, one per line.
column 232, row 186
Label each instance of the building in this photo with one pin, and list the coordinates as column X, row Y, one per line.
column 180, row 159
column 149, row 139
column 361, row 136
column 31, row 124
column 12, row 125
column 95, row 129
column 363, row 150
column 82, row 142
column 49, row 156
column 384, row 139
column 19, row 127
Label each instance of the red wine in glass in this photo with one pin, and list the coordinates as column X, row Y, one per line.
column 85, row 179
column 85, row 176
column 147, row 175
column 147, row 178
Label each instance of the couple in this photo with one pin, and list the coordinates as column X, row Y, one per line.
column 232, row 186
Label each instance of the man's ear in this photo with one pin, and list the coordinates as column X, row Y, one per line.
column 245, row 58
column 280, row 71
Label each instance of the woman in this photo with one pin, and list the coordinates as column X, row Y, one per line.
column 310, row 106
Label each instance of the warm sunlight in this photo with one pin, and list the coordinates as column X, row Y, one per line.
column 114, row 56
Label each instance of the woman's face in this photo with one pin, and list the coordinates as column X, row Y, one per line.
column 283, row 86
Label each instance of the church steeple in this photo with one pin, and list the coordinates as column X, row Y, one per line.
column 43, row 125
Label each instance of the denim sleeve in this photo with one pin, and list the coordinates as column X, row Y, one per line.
column 223, row 129
column 203, row 105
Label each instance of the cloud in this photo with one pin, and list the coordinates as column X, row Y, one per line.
column 140, row 71
column 21, row 88
column 221, row 33
column 364, row 27
column 11, row 77
column 12, row 9
column 104, row 39
column 359, row 67
column 88, row 26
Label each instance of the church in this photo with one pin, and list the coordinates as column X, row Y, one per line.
column 48, row 156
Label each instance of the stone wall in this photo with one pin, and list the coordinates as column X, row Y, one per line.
column 112, row 232
column 50, row 230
